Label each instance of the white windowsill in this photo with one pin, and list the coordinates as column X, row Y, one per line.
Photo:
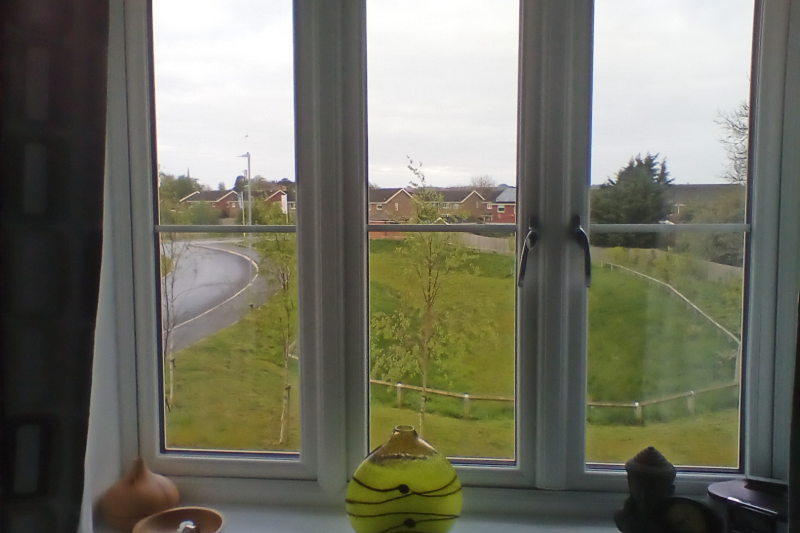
column 260, row 519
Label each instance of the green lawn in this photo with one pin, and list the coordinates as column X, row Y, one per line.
column 642, row 344
column 709, row 439
column 645, row 343
column 229, row 390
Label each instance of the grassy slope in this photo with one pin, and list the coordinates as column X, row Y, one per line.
column 645, row 344
column 229, row 390
column 709, row 439
column 229, row 385
column 488, row 369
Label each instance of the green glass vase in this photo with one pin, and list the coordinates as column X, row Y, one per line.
column 404, row 486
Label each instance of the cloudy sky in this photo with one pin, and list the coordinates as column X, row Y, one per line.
column 442, row 86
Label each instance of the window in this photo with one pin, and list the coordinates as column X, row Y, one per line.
column 397, row 206
column 501, row 209
column 379, row 207
column 553, row 151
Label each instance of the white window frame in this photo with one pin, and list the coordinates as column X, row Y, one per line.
column 331, row 155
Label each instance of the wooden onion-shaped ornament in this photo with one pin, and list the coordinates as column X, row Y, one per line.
column 139, row 494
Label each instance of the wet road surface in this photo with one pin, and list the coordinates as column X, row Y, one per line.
column 214, row 283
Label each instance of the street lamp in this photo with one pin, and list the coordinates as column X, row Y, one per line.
column 250, row 215
column 249, row 190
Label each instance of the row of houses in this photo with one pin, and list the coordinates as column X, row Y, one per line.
column 385, row 205
column 390, row 205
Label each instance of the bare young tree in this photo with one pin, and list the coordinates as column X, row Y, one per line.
column 484, row 181
column 426, row 329
column 173, row 253
column 279, row 266
column 735, row 140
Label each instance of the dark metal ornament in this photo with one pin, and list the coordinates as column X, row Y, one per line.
column 650, row 480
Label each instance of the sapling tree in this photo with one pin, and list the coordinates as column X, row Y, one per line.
column 428, row 328
column 279, row 266
column 173, row 254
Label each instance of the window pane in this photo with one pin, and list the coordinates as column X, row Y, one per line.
column 229, row 338
column 669, row 146
column 442, row 109
column 442, row 328
column 225, row 150
column 224, row 107
column 664, row 358
column 442, row 150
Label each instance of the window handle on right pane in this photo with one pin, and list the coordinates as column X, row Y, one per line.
column 527, row 246
column 583, row 242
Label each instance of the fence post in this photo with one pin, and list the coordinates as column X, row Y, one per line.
column 637, row 412
column 399, row 388
column 466, row 405
column 690, row 401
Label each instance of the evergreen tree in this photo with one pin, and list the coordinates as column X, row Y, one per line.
column 638, row 194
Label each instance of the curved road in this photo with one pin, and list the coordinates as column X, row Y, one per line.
column 213, row 285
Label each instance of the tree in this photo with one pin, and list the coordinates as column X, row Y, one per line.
column 173, row 254
column 426, row 329
column 201, row 213
column 279, row 266
column 174, row 189
column 725, row 248
column 268, row 213
column 736, row 127
column 484, row 181
column 171, row 191
column 637, row 195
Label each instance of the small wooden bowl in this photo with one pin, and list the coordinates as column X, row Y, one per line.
column 207, row 520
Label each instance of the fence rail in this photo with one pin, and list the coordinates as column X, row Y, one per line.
column 636, row 406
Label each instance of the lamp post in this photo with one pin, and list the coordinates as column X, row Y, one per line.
column 249, row 191
column 250, row 212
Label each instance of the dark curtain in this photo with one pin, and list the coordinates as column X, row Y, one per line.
column 794, row 446
column 52, row 154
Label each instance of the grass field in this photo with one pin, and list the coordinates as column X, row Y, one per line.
column 642, row 343
column 229, row 390
column 709, row 439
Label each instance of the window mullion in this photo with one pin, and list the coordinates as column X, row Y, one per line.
column 761, row 274
column 788, row 250
column 318, row 115
column 553, row 173
column 355, row 239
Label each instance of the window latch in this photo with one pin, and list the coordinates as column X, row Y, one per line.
column 527, row 246
column 583, row 242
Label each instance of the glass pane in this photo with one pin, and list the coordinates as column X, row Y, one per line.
column 229, row 341
column 224, row 111
column 664, row 358
column 225, row 149
column 442, row 150
column 442, row 111
column 442, row 357
column 669, row 147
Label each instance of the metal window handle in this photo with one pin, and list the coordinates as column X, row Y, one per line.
column 528, row 244
column 583, row 242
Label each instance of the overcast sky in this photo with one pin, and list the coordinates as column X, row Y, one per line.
column 442, row 79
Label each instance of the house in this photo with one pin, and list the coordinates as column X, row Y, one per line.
column 390, row 205
column 460, row 201
column 502, row 209
column 287, row 199
column 226, row 201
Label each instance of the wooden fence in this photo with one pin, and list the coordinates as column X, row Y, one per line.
column 637, row 407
